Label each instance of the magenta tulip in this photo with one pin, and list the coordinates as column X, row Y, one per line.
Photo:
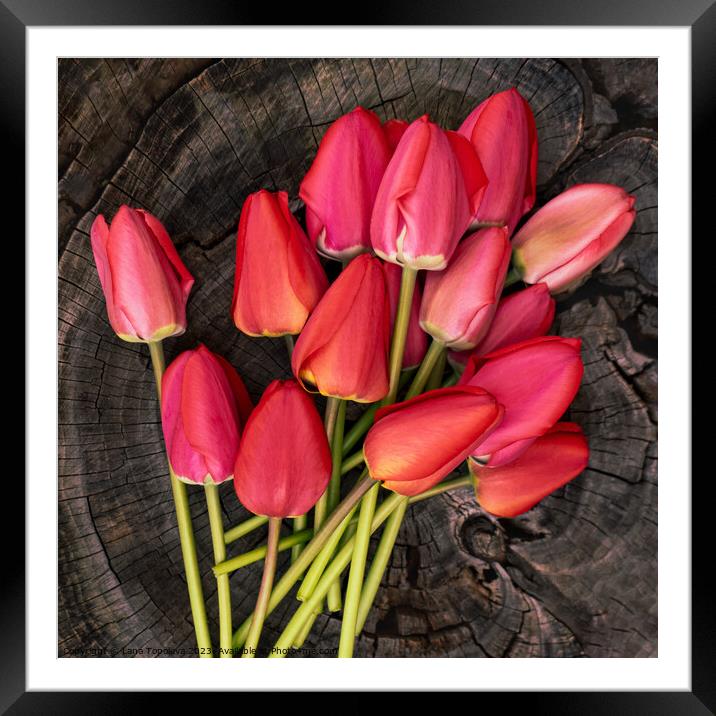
column 535, row 381
column 551, row 461
column 284, row 462
column 571, row 234
column 204, row 405
column 145, row 284
column 340, row 187
column 459, row 303
column 502, row 130
column 520, row 316
column 430, row 190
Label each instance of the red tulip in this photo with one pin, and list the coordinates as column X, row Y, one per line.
column 459, row 302
column 279, row 279
column 502, row 130
column 520, row 316
column 416, row 342
column 284, row 462
column 146, row 285
column 394, row 130
column 341, row 185
column 535, row 381
column 343, row 349
column 550, row 462
column 204, row 404
column 571, row 234
column 415, row 444
column 431, row 188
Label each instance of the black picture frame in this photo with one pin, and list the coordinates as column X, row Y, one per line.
column 699, row 15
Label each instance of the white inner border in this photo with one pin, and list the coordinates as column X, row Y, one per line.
column 671, row 670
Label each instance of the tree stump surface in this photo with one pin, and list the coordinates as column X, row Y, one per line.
column 188, row 140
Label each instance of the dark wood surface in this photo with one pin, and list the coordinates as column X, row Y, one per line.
column 188, row 140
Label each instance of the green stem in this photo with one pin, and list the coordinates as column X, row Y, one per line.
column 452, row 380
column 305, row 631
column 512, row 277
column 216, row 523
column 334, row 599
column 436, row 375
column 186, row 532
column 426, row 368
column 256, row 555
column 262, row 601
column 357, row 458
column 330, row 417
column 445, row 486
column 360, row 428
column 299, row 525
column 288, row 339
column 400, row 330
column 294, row 572
column 355, row 576
column 244, row 528
column 380, row 562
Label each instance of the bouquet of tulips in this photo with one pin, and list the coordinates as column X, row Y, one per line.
column 426, row 325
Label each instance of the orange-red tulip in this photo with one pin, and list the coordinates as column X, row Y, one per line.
column 535, row 381
column 551, row 461
column 145, row 284
column 341, row 185
column 416, row 341
column 204, row 405
column 502, row 130
column 284, row 462
column 459, row 303
column 571, row 234
column 415, row 444
column 343, row 349
column 520, row 316
column 429, row 192
column 279, row 279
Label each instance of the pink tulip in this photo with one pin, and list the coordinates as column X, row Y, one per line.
column 271, row 243
column 459, row 303
column 340, row 187
column 430, row 190
column 502, row 130
column 520, row 316
column 145, row 284
column 415, row 444
column 571, row 234
column 551, row 461
column 284, row 462
column 535, row 381
column 416, row 342
column 204, row 405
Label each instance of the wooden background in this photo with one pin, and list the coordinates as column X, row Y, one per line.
column 188, row 140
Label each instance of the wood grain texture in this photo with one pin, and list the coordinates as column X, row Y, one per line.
column 189, row 140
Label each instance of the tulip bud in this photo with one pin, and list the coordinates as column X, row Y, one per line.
column 431, row 188
column 394, row 129
column 270, row 242
column 520, row 316
column 284, row 462
column 416, row 342
column 535, row 381
column 340, row 187
column 145, row 284
column 204, row 405
column 459, row 303
column 551, row 461
column 343, row 349
column 415, row 444
column 502, row 131
column 571, row 234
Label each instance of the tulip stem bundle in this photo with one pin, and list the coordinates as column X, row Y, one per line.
column 400, row 331
column 262, row 601
column 186, row 531
column 431, row 359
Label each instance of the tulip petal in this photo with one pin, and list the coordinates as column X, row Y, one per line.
column 284, row 462
column 553, row 460
column 535, row 380
column 414, row 444
column 244, row 406
column 471, row 168
column 394, row 129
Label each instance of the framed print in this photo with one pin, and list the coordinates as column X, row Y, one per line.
column 354, row 352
